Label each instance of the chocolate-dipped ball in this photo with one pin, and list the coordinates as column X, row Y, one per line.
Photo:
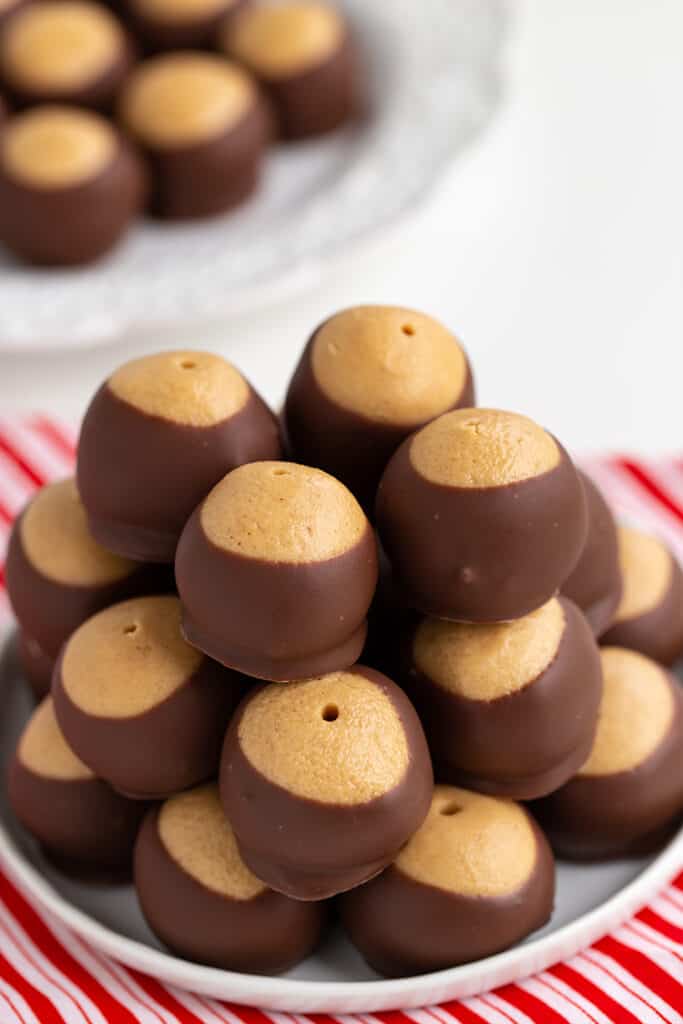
column 630, row 790
column 144, row 710
column 64, row 51
column 203, row 127
column 303, row 54
column 69, row 186
column 509, row 708
column 649, row 618
column 179, row 24
column 482, row 515
column 477, row 877
column 595, row 582
column 35, row 665
column 323, row 781
column 204, row 903
column 58, row 576
column 368, row 377
column 83, row 825
column 276, row 570
column 159, row 433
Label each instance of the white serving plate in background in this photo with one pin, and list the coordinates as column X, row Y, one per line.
column 591, row 900
column 434, row 82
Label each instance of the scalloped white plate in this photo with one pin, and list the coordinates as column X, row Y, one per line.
column 591, row 900
column 434, row 83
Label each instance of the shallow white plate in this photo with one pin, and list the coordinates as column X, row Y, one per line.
column 591, row 900
column 434, row 82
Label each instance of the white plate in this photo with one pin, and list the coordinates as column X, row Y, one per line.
column 434, row 71
column 591, row 900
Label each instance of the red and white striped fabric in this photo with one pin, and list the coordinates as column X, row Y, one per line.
column 49, row 976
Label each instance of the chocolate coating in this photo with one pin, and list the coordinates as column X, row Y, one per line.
column 658, row 631
column 266, row 934
column 35, row 665
column 277, row 620
column 480, row 554
column 523, row 744
column 49, row 610
column 349, row 445
column 312, row 100
column 208, row 175
column 161, row 468
column 96, row 90
column 404, row 926
column 174, row 743
column 159, row 29
column 626, row 813
column 81, row 822
column 595, row 583
column 310, row 849
column 75, row 223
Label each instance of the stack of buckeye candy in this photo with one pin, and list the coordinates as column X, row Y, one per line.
column 376, row 680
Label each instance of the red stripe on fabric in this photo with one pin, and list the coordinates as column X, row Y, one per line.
column 652, row 487
column 248, row 1014
column 51, row 432
column 660, row 924
column 498, row 1009
column 50, row 946
column 37, row 1000
column 461, row 1013
column 21, row 462
column 529, row 1004
column 678, row 881
column 644, row 969
column 590, row 991
column 564, row 995
column 14, row 1009
column 160, row 994
column 6, row 515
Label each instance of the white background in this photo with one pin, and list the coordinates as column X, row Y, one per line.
column 554, row 248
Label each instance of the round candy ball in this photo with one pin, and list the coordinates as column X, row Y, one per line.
column 649, row 618
column 70, row 186
column 510, row 708
column 476, row 877
column 82, row 824
column 482, row 515
column 276, row 570
column 369, row 377
column 203, row 128
column 303, row 54
column 142, row 708
column 323, row 781
column 157, row 436
column 629, row 793
column 64, row 51
column 204, row 903
column 58, row 575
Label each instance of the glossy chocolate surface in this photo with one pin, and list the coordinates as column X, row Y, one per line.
column 311, row 850
column 657, row 633
column 172, row 746
column 527, row 743
column 140, row 476
column 275, row 620
column 402, row 926
column 595, row 583
column 188, row 33
column 264, row 935
column 35, row 665
column 76, row 224
column 480, row 554
column 595, row 817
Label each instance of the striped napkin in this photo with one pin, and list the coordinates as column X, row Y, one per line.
column 50, row 976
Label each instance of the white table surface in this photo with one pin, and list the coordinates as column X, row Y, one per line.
column 554, row 248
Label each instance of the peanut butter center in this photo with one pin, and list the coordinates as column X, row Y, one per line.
column 44, row 751
column 646, row 568
column 336, row 739
column 57, row 147
column 282, row 40
column 482, row 448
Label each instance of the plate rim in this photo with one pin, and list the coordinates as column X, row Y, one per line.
column 303, row 996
